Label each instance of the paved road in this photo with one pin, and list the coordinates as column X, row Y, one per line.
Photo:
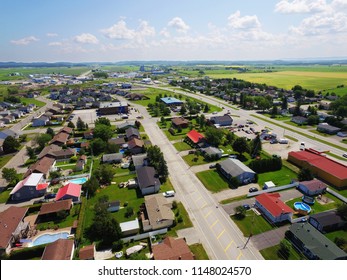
column 220, row 236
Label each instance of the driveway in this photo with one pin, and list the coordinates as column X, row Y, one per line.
column 270, row 238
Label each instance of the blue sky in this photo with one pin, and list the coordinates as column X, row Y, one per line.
column 114, row 30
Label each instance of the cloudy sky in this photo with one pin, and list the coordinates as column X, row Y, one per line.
column 118, row 30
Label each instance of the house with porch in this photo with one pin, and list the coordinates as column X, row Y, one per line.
column 147, row 180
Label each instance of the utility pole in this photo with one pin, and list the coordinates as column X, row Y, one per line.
column 251, row 230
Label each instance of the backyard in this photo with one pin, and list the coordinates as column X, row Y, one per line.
column 252, row 224
column 279, row 178
column 213, row 181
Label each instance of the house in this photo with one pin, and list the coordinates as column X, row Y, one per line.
column 274, row 209
column 194, row 138
column 31, row 187
column 126, row 125
column 112, row 206
column 327, row 128
column 212, row 153
column 13, row 227
column 327, row 221
column 313, row 244
column 66, row 129
column 7, row 132
column 225, row 120
column 157, row 214
column 130, row 228
column 312, row 187
column 180, row 122
column 234, row 168
column 107, row 108
column 171, row 101
column 8, row 119
column 132, row 133
column 60, row 139
column 49, row 211
column 56, row 152
column 68, row 191
column 172, row 249
column 136, row 146
column 112, row 158
column 87, row 252
column 44, row 165
column 61, row 249
column 299, row 120
column 88, row 135
column 139, row 160
column 147, row 180
column 117, row 141
column 41, row 121
column 322, row 167
column 17, row 114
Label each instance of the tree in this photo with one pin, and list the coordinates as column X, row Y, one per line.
column 129, row 211
column 50, row 131
column 41, row 140
column 305, row 174
column 256, row 146
column 80, row 124
column 10, row 145
column 10, row 175
column 183, row 110
column 240, row 145
column 342, row 211
column 91, row 186
column 31, row 153
column 104, row 174
column 103, row 120
column 214, row 136
column 284, row 105
column 156, row 159
column 240, row 212
column 274, row 110
column 103, row 132
column 71, row 125
column 312, row 120
column 206, row 108
column 97, row 146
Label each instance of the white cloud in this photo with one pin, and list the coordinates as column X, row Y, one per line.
column 55, row 44
column 119, row 31
column 179, row 25
column 339, row 4
column 302, row 6
column 164, row 32
column 145, row 29
column 25, row 41
column 236, row 21
column 51, row 34
column 86, row 38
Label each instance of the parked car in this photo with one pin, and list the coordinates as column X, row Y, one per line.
column 302, row 146
column 345, row 155
column 232, row 156
column 169, row 194
column 253, row 189
column 246, row 206
column 212, row 166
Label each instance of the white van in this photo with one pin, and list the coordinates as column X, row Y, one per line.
column 283, row 141
column 169, row 194
column 302, row 146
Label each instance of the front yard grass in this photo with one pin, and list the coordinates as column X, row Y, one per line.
column 279, row 178
column 338, row 233
column 199, row 252
column 271, row 254
column 213, row 181
column 252, row 223
column 182, row 146
column 193, row 160
column 186, row 222
column 4, row 159
column 4, row 196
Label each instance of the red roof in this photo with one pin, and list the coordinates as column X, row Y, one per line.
column 328, row 165
column 273, row 204
column 70, row 189
column 195, row 136
column 42, row 186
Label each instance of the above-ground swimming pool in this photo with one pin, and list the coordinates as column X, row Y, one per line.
column 79, row 181
column 48, row 238
column 302, row 207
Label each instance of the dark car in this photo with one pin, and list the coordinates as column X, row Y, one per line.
column 253, row 189
column 212, row 166
column 246, row 206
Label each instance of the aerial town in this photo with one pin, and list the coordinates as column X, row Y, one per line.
column 154, row 163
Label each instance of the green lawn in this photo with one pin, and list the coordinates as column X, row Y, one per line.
column 193, row 160
column 317, row 207
column 187, row 223
column 182, row 146
column 199, row 252
column 252, row 223
column 167, row 186
column 233, row 199
column 339, row 233
column 4, row 196
column 271, row 254
column 279, row 178
column 28, row 101
column 213, row 181
column 4, row 159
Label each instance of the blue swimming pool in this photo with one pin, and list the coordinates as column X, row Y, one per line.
column 302, row 207
column 79, row 181
column 49, row 238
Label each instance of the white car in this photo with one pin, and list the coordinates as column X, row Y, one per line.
column 345, row 155
column 169, row 193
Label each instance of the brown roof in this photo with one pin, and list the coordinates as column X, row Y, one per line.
column 179, row 121
column 117, row 141
column 61, row 137
column 49, row 150
column 66, row 129
column 54, row 207
column 41, row 166
column 87, row 252
column 135, row 143
column 62, row 249
column 9, row 221
column 172, row 249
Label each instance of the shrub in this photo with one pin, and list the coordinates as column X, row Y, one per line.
column 172, row 131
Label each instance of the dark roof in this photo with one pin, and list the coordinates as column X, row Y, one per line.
column 221, row 119
column 328, row 218
column 139, row 160
column 9, row 221
column 49, row 150
column 172, row 249
column 109, row 204
column 112, row 157
column 131, row 132
column 61, row 249
column 56, row 206
column 117, row 141
column 133, row 143
column 316, row 242
column 146, row 177
column 327, row 127
column 314, row 185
